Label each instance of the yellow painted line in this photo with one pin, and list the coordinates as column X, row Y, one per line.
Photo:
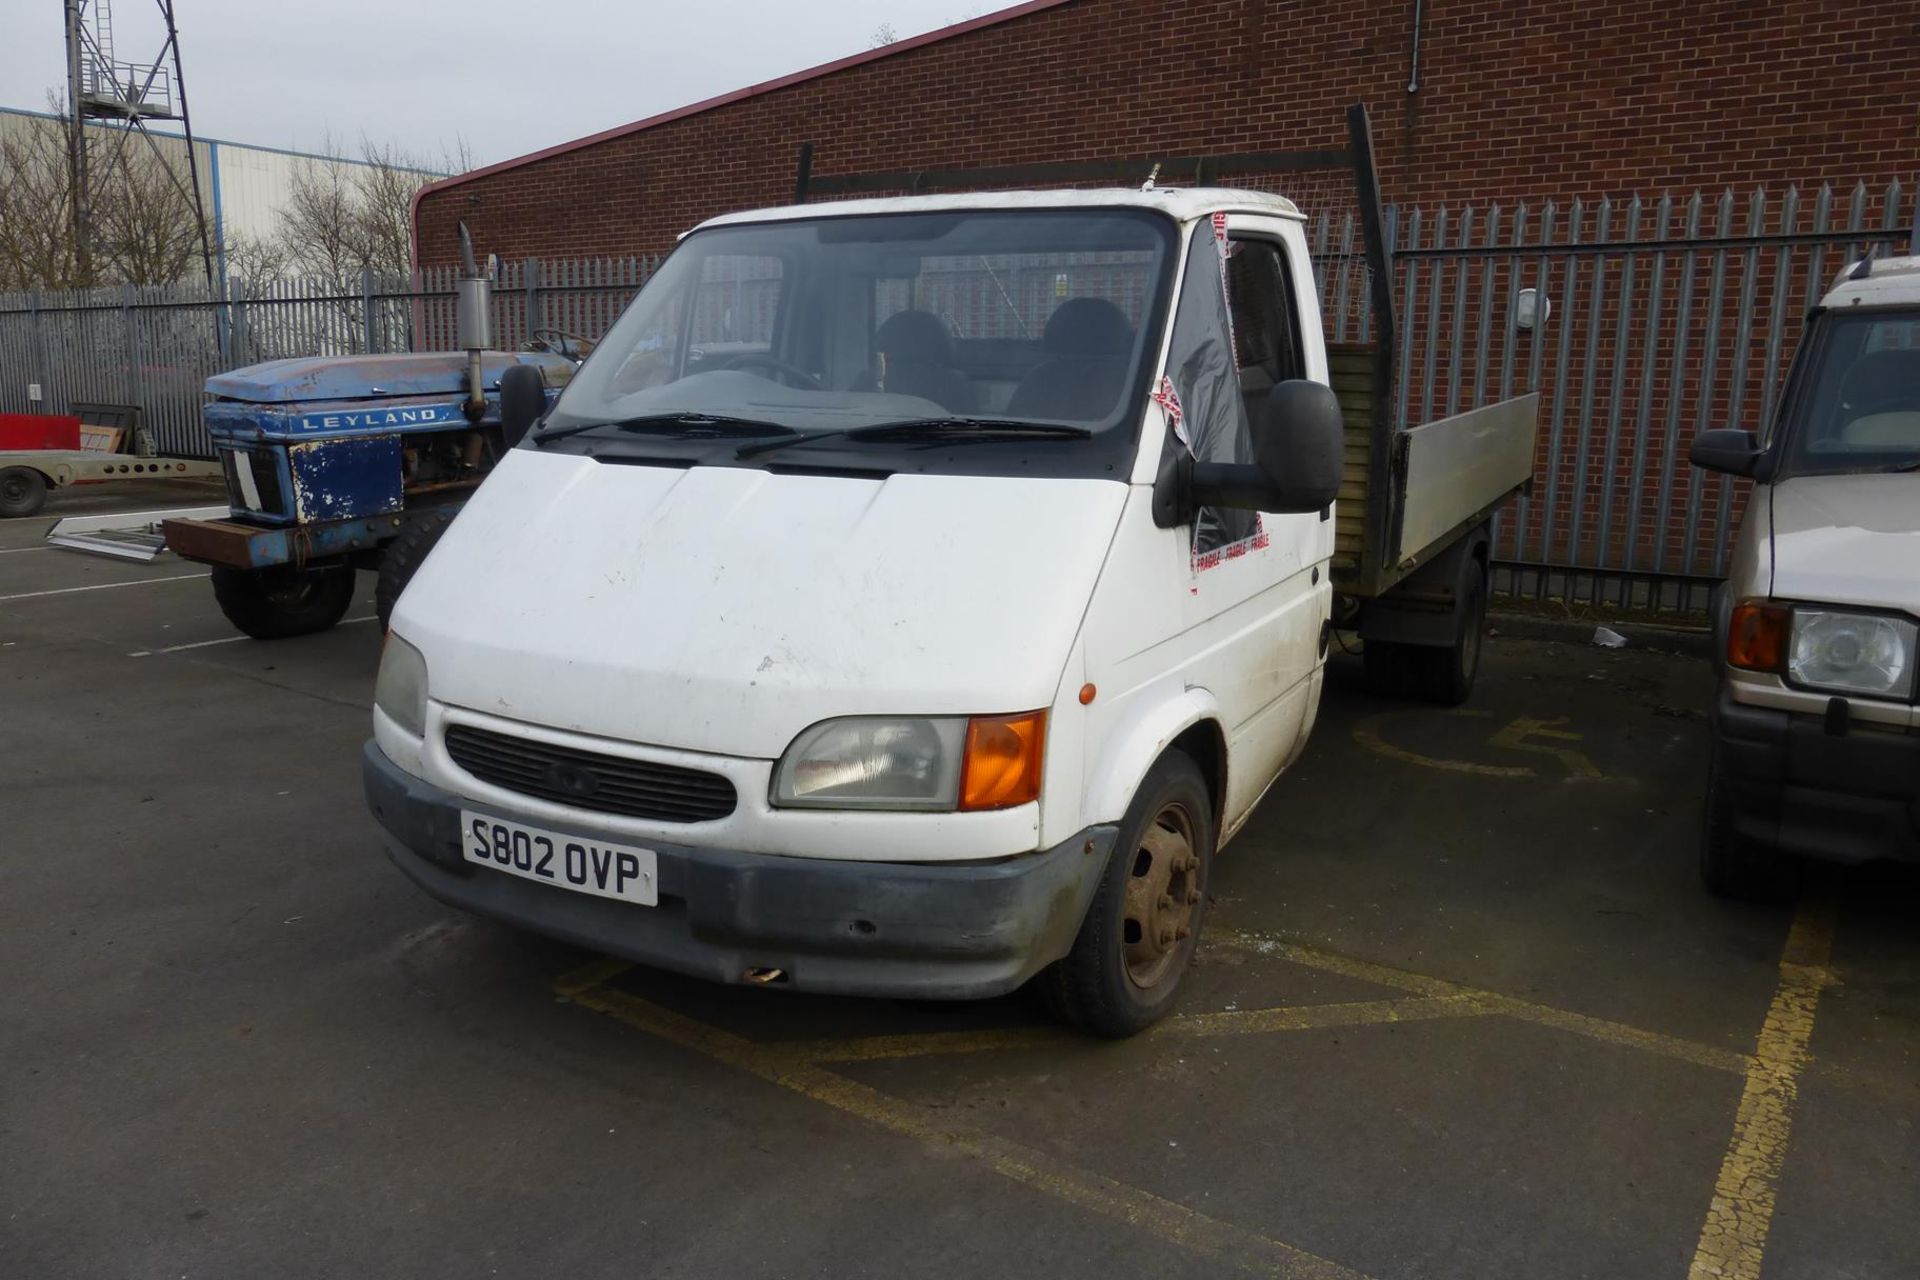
column 1514, row 738
column 1226, row 1022
column 925, row 1045
column 1367, row 734
column 1314, row 1017
column 1734, row 1236
column 591, row 974
column 1166, row 1219
column 1703, row 1055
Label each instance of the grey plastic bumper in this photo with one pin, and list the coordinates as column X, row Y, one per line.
column 1851, row 797
column 853, row 928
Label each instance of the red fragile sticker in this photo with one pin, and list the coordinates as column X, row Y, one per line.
column 1258, row 540
column 1169, row 401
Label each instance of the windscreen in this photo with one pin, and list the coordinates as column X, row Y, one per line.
column 833, row 324
column 1858, row 404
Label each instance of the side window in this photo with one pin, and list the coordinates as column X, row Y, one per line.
column 1265, row 336
column 1205, row 374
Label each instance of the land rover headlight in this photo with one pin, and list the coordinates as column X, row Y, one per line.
column 1860, row 653
column 400, row 689
column 901, row 762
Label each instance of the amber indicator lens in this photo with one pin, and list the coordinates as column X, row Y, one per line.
column 1003, row 760
column 1757, row 636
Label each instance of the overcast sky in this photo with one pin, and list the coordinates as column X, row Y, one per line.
column 507, row 77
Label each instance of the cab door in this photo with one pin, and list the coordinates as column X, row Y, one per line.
column 1257, row 595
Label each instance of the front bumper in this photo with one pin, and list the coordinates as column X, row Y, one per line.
column 1851, row 797
column 926, row 930
column 239, row 545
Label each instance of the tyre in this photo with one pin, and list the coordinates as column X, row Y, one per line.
column 1446, row 675
column 1733, row 865
column 403, row 556
column 1138, row 939
column 271, row 604
column 23, row 491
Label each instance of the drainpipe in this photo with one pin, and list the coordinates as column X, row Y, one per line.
column 1413, row 72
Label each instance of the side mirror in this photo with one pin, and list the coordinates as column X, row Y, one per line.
column 1733, row 451
column 523, row 398
column 1298, row 441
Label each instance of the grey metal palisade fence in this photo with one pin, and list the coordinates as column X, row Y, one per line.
column 1668, row 316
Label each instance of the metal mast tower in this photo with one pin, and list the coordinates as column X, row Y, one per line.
column 125, row 95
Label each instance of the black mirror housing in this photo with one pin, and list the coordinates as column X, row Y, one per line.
column 1298, row 443
column 523, row 399
column 1729, row 450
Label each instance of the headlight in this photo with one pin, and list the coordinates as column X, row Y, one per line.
column 873, row 762
column 899, row 762
column 1852, row 653
column 400, row 690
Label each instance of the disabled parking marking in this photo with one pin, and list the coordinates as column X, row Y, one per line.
column 1167, row 1219
column 1515, row 735
column 1733, row 1238
column 1226, row 1022
column 1514, row 738
column 1619, row 1033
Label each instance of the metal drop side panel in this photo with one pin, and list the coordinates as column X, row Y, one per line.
column 1452, row 472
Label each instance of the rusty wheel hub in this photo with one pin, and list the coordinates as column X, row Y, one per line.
column 1163, row 893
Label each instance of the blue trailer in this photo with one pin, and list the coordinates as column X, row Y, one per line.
column 338, row 464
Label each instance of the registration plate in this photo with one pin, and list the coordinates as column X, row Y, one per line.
column 620, row 871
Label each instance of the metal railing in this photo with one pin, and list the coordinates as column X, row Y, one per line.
column 156, row 346
column 1666, row 317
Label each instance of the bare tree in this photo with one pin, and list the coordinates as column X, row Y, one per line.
column 883, row 35
column 252, row 257
column 342, row 218
column 144, row 229
column 36, row 239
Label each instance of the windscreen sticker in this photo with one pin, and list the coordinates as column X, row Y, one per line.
column 1169, row 401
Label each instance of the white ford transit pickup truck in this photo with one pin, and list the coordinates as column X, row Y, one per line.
column 1816, row 729
column 910, row 596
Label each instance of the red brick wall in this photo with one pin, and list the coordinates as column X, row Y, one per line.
column 1517, row 99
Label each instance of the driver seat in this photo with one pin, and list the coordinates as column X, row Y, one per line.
column 919, row 362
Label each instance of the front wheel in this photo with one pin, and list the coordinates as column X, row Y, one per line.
column 1140, row 933
column 271, row 604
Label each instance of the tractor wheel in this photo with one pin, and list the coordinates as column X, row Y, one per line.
column 271, row 604
column 403, row 556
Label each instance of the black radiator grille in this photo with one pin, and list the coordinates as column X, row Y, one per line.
column 266, row 478
column 590, row 780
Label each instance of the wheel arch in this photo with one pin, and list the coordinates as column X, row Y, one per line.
column 1190, row 722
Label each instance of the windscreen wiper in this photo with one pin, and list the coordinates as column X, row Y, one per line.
column 684, row 424
column 953, row 430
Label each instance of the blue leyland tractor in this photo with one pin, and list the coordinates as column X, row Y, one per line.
column 337, row 464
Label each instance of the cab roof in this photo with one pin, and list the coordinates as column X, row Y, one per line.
column 1182, row 203
column 1890, row 282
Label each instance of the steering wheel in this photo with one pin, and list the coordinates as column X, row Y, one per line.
column 560, row 342
column 793, row 374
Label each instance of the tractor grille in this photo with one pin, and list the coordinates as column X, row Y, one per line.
column 589, row 780
column 266, row 482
